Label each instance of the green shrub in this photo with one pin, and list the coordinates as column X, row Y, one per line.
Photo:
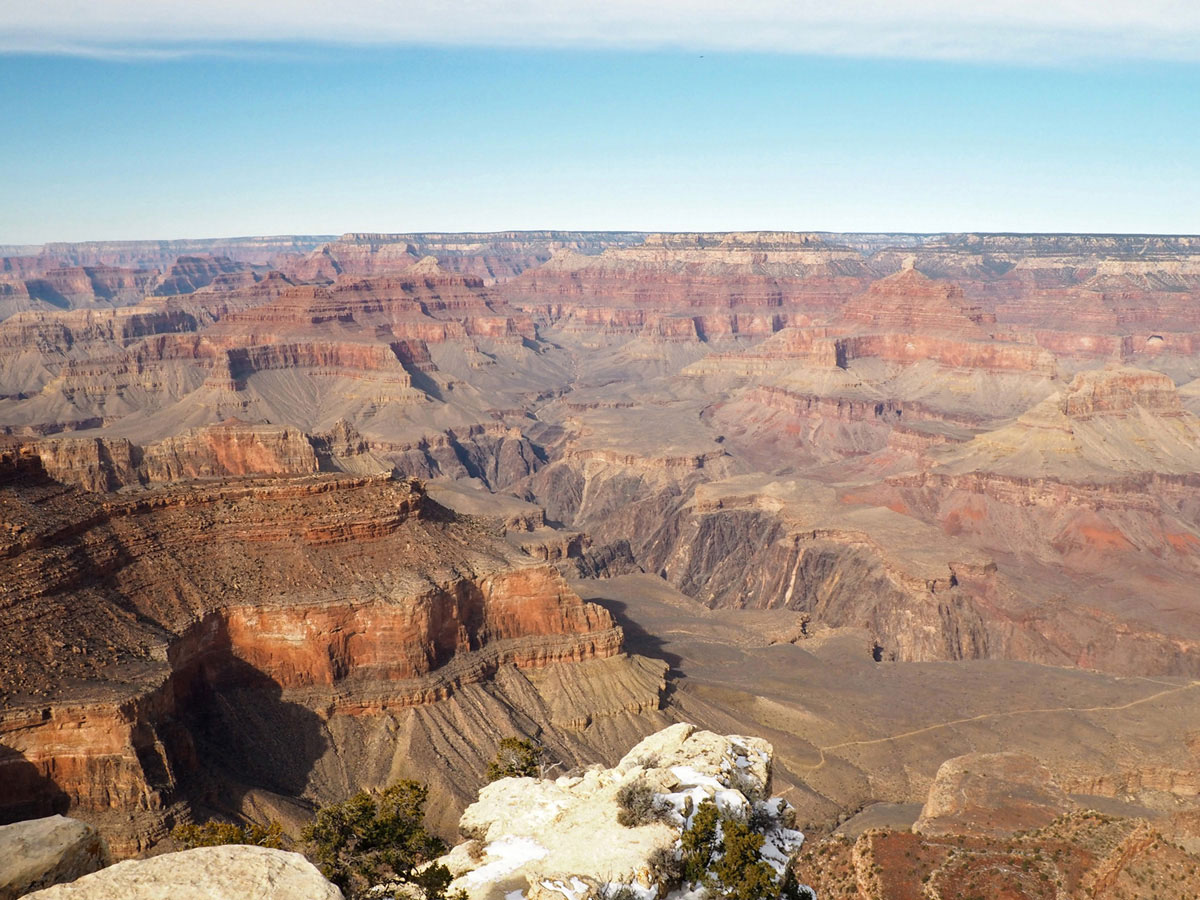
column 699, row 843
column 726, row 859
column 739, row 873
column 369, row 840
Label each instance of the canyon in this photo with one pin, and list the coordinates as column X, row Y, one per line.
column 284, row 517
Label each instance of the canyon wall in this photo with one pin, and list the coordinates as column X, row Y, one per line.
column 145, row 627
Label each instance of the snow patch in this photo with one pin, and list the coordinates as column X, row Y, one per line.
column 689, row 777
column 779, row 846
column 639, row 892
column 573, row 891
column 505, row 855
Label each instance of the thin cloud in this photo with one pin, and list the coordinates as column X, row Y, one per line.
column 1038, row 31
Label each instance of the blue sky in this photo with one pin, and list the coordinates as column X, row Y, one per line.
column 300, row 136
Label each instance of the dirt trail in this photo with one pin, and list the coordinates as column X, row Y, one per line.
column 996, row 715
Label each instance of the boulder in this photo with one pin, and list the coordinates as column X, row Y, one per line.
column 38, row 853
column 234, row 872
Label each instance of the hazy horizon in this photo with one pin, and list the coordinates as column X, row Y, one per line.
column 331, row 236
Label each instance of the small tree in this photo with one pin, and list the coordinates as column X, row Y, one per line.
column 742, row 875
column 366, row 841
column 515, row 758
column 722, row 853
column 699, row 843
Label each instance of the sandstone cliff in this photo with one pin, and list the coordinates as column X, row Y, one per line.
column 261, row 625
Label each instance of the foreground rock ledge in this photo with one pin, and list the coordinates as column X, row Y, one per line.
column 215, row 873
column 560, row 839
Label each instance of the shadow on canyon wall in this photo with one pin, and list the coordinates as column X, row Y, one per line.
column 244, row 735
column 25, row 791
column 637, row 639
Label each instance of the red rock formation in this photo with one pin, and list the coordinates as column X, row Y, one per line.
column 190, row 273
column 1119, row 391
column 90, row 286
column 125, row 617
column 693, row 287
column 911, row 303
column 230, row 448
column 405, row 313
column 911, row 348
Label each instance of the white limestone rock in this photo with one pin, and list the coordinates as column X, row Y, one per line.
column 560, row 839
column 38, row 853
column 234, row 872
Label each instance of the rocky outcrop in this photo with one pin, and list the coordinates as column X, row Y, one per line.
column 496, row 455
column 1078, row 856
column 1119, row 390
column 230, row 448
column 912, row 348
column 992, row 794
column 221, row 873
column 95, row 464
column 564, row 838
column 38, row 853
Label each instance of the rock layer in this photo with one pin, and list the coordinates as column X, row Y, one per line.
column 128, row 619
